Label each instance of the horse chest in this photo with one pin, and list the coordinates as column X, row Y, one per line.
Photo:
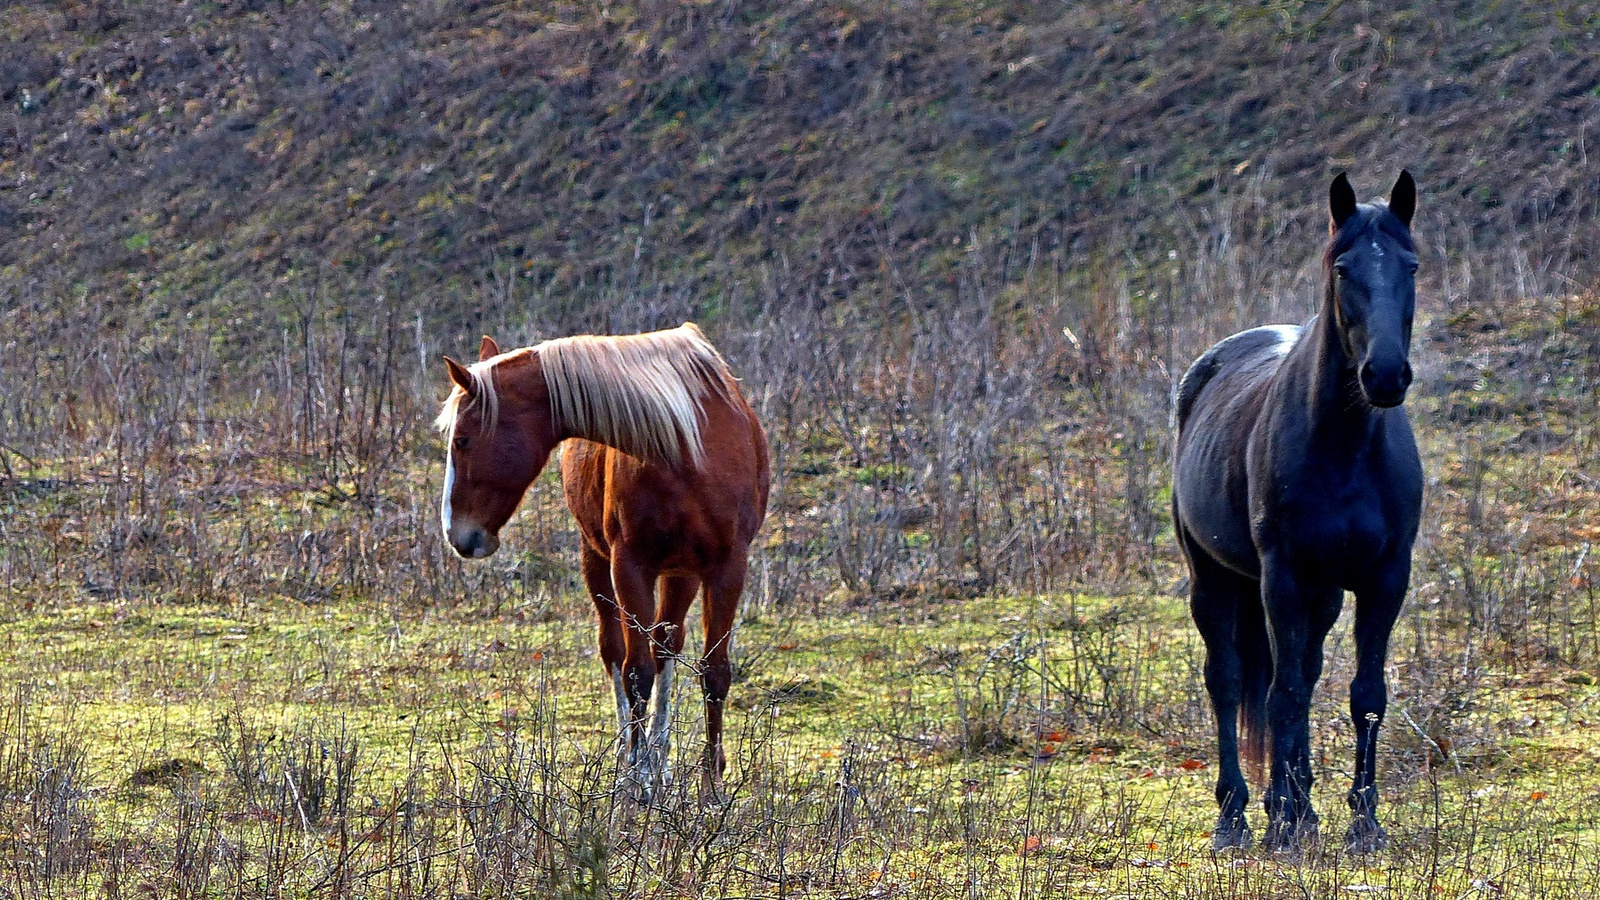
column 1338, row 528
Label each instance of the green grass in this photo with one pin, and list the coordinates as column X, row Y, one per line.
column 913, row 749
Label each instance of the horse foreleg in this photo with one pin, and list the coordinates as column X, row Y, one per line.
column 1298, row 618
column 613, row 647
column 635, row 584
column 717, row 612
column 1376, row 611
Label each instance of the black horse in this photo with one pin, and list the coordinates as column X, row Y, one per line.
column 1296, row 478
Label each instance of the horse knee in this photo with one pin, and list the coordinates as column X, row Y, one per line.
column 639, row 675
column 1288, row 708
column 613, row 655
column 716, row 676
column 1223, row 679
column 1368, row 698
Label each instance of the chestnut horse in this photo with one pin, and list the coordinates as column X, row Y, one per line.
column 667, row 476
column 1297, row 478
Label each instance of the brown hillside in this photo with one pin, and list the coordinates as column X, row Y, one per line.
column 168, row 149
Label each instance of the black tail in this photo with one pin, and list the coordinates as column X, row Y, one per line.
column 1255, row 676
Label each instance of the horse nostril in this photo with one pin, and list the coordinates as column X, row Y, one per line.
column 1366, row 372
column 473, row 542
column 1405, row 375
column 465, row 545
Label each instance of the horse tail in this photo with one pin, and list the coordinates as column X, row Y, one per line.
column 1194, row 380
column 1255, row 677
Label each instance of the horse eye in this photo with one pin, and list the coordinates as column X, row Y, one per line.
column 1342, row 270
column 459, row 443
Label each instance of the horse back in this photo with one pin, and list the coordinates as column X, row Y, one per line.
column 1251, row 355
column 681, row 518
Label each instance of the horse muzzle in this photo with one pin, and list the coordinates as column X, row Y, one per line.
column 1385, row 386
column 472, row 541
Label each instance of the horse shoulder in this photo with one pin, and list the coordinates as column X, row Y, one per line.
column 1337, row 517
column 1250, row 354
column 583, row 481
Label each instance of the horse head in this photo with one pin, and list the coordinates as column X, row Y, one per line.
column 501, row 435
column 1372, row 267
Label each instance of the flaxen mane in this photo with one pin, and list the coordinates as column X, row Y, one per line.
column 639, row 393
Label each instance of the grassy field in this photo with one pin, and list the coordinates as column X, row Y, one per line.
column 992, row 747
column 240, row 662
column 959, row 253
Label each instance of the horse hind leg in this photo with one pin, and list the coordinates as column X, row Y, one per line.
column 718, row 612
column 677, row 593
column 1216, row 601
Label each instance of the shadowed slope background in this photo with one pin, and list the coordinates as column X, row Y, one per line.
column 172, row 149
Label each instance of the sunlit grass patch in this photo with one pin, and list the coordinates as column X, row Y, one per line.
column 1045, row 744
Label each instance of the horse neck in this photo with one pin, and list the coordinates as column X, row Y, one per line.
column 523, row 385
column 1339, row 413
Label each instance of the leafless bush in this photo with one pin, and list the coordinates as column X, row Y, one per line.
column 991, row 708
column 533, row 823
column 302, row 778
column 45, row 804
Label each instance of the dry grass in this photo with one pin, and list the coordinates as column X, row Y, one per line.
column 243, row 664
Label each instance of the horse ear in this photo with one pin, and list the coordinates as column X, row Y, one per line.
column 1341, row 201
column 460, row 375
column 1403, row 199
column 487, row 348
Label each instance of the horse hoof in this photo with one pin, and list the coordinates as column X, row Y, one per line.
column 1365, row 836
column 1231, row 835
column 1292, row 839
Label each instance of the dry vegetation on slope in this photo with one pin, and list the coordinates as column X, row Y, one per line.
column 958, row 252
column 164, row 150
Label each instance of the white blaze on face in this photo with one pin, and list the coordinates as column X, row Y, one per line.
column 449, row 484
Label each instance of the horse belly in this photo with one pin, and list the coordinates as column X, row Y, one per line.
column 1212, row 509
column 1210, row 478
